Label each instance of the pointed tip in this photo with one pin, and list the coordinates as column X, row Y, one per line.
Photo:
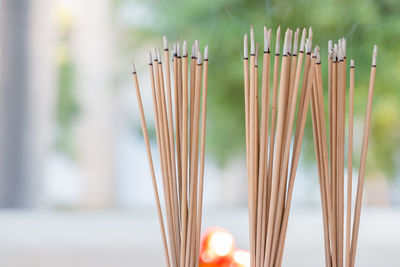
column 245, row 46
column 150, row 58
column 278, row 39
column 303, row 40
column 206, row 52
column 159, row 56
column 199, row 60
column 310, row 33
column 193, row 51
column 374, row 55
column 178, row 49
column 165, row 42
column 185, row 49
column 296, row 40
column 352, row 63
column 196, row 45
column 266, row 48
column 252, row 41
column 133, row 67
column 269, row 39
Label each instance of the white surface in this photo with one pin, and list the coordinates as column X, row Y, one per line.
column 131, row 238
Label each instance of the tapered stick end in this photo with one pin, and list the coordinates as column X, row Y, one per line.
column 278, row 38
column 266, row 47
column 296, row 40
column 303, row 40
column 206, row 52
column 245, row 46
column 352, row 63
column 252, row 41
column 199, row 59
column 165, row 42
column 185, row 50
column 374, row 55
column 133, row 67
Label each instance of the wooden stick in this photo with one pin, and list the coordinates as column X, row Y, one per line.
column 202, row 150
column 325, row 164
column 283, row 83
column 184, row 155
column 350, row 163
column 334, row 146
column 310, row 69
column 253, row 144
column 266, row 193
column 317, row 131
column 170, row 157
column 150, row 159
column 177, row 67
column 285, row 148
column 165, row 157
column 363, row 161
column 194, row 165
column 263, row 150
column 340, row 155
column 272, row 142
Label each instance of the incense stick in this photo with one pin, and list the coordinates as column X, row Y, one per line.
column 340, row 239
column 178, row 136
column 270, row 182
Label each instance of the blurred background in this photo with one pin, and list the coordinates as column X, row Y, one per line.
column 75, row 188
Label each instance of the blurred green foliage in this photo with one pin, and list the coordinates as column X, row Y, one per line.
column 221, row 24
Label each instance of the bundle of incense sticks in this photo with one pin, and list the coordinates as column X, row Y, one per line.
column 331, row 163
column 180, row 121
column 271, row 159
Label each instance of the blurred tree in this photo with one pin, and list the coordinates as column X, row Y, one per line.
column 222, row 25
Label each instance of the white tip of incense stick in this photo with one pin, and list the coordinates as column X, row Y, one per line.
column 185, row 50
column 303, row 40
column 317, row 54
column 252, row 41
column 256, row 61
column 193, row 51
column 290, row 41
column 206, row 52
column 269, row 39
column 344, row 47
column 335, row 53
column 286, row 43
column 310, row 34
column 165, row 42
column 159, row 57
column 278, row 38
column 374, row 55
column 245, row 46
column 133, row 67
column 266, row 48
column 155, row 54
column 330, row 46
column 150, row 58
column 174, row 50
column 178, row 49
column 199, row 61
column 196, row 46
column 352, row 63
column 296, row 40
column 308, row 46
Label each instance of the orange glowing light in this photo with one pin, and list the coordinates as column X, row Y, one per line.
column 218, row 250
column 241, row 258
